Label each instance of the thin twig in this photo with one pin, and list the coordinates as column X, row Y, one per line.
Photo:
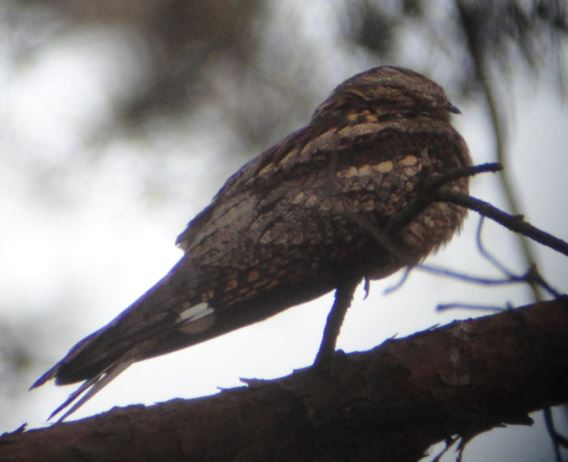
column 470, row 278
column 426, row 187
column 457, row 173
column 400, row 282
column 431, row 190
column 486, row 254
column 469, row 306
column 430, row 184
column 559, row 439
column 531, row 276
column 514, row 223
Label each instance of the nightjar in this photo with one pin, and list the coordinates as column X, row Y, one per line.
column 286, row 228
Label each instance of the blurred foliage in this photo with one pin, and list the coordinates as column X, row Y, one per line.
column 18, row 356
column 252, row 61
column 496, row 33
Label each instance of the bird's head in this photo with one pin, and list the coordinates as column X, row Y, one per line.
column 388, row 92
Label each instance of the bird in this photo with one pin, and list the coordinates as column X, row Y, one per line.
column 308, row 214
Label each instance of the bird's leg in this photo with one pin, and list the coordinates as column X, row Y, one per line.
column 343, row 292
column 343, row 296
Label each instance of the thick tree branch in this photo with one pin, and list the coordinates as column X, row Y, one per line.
column 390, row 403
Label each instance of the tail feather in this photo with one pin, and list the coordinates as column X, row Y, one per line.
column 74, row 367
column 92, row 387
column 136, row 334
column 54, row 372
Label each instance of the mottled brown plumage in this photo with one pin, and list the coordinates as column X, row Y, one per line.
column 287, row 227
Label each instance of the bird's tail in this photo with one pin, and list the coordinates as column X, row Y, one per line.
column 94, row 382
column 102, row 356
column 90, row 387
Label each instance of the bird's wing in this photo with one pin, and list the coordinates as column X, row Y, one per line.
column 305, row 151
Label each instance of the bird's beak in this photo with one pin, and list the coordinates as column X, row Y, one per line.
column 453, row 109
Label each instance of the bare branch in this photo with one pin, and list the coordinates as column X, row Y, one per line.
column 429, row 185
column 486, row 254
column 470, row 307
column 457, row 173
column 514, row 223
column 388, row 404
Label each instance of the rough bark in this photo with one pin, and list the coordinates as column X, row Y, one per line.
column 390, row 403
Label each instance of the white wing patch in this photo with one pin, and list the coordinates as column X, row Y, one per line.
column 195, row 319
column 194, row 312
